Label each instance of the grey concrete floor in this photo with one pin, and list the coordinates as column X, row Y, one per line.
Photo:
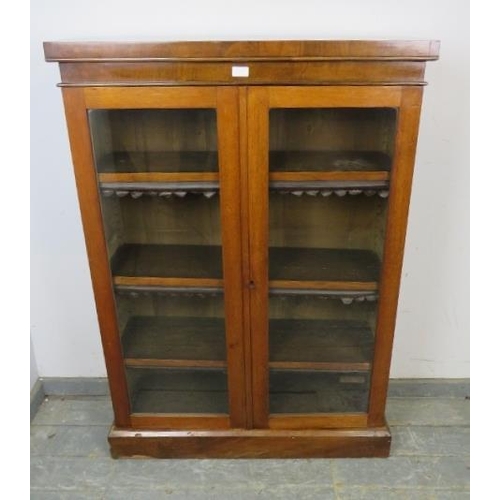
column 429, row 460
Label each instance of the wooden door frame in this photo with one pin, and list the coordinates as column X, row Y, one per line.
column 77, row 101
column 407, row 100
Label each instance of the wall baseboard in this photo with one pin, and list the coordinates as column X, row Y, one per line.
column 37, row 395
column 97, row 386
column 429, row 388
column 75, row 386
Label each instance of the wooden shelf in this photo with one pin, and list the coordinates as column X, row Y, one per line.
column 174, row 342
column 161, row 161
column 178, row 390
column 307, row 392
column 161, row 184
column 204, row 391
column 322, row 265
column 327, row 188
column 294, row 344
column 324, row 173
column 320, row 345
column 181, row 265
column 291, row 269
column 137, row 290
column 326, row 161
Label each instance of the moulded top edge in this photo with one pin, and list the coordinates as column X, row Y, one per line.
column 308, row 50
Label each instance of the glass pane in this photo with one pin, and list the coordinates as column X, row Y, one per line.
column 177, row 391
column 172, row 325
column 331, row 139
column 320, row 353
column 318, row 392
column 164, row 245
column 153, row 140
column 159, row 236
column 327, row 214
column 317, row 238
column 175, row 350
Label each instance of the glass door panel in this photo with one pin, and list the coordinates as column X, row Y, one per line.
column 320, row 352
column 159, row 185
column 174, row 349
column 329, row 171
column 331, row 139
column 154, row 140
column 152, row 235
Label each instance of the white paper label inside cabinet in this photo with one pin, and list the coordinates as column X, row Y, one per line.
column 240, row 71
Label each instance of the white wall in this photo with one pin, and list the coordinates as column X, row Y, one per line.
column 432, row 337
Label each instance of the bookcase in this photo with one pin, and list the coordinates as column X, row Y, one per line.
column 244, row 206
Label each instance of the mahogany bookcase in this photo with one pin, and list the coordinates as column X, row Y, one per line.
column 244, row 206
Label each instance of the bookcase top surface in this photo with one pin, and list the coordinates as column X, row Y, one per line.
column 291, row 50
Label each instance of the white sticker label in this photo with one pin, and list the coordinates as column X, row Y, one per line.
column 240, row 71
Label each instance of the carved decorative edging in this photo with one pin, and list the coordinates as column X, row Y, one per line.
column 180, row 190
column 160, row 189
column 329, row 192
column 107, row 193
column 346, row 297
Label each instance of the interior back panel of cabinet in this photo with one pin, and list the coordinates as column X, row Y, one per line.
column 353, row 221
column 154, row 304
column 311, row 307
column 178, row 391
column 333, row 129
column 153, row 130
column 191, row 220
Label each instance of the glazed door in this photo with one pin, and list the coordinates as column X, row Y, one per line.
column 164, row 249
column 322, row 181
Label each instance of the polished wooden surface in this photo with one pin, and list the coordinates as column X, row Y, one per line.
column 317, row 421
column 88, row 195
column 155, row 281
column 181, row 422
column 329, row 72
column 245, row 250
column 286, row 50
column 150, row 98
column 258, row 215
column 399, row 199
column 159, row 177
column 228, row 138
column 333, row 285
column 333, row 97
column 318, row 175
column 351, row 62
column 251, row 443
